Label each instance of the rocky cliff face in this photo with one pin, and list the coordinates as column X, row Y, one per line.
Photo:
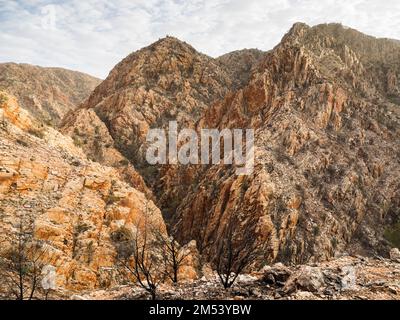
column 74, row 206
column 168, row 80
column 326, row 167
column 325, row 108
column 240, row 64
column 47, row 93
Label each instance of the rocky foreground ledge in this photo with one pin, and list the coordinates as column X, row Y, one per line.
column 349, row 277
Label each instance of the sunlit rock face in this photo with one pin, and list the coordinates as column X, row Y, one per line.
column 71, row 204
column 47, row 93
column 324, row 105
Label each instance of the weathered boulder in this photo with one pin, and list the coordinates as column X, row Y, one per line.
column 308, row 278
column 395, row 254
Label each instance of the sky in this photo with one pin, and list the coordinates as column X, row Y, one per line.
column 94, row 35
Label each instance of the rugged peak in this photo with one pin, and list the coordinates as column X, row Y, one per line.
column 240, row 64
column 298, row 26
column 171, row 43
column 297, row 30
column 166, row 80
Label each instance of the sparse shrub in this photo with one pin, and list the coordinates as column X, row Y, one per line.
column 173, row 254
column 141, row 257
column 287, row 252
column 77, row 142
column 22, row 143
column 3, row 100
column 49, row 123
column 78, row 230
column 21, row 266
column 90, row 252
column 392, row 234
column 334, row 243
column 76, row 163
column 235, row 252
column 270, row 167
column 280, row 205
column 124, row 163
column 150, row 173
column 111, row 198
column 122, row 235
column 39, row 133
column 81, row 228
column 245, row 186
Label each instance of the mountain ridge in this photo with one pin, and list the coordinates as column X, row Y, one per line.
column 47, row 93
column 325, row 108
column 317, row 70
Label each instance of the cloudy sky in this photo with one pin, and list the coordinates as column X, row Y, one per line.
column 93, row 35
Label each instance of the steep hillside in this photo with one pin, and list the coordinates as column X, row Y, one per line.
column 47, row 93
column 74, row 206
column 327, row 152
column 324, row 105
column 168, row 80
column 240, row 64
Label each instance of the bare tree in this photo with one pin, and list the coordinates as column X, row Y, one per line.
column 21, row 265
column 143, row 260
column 140, row 252
column 234, row 254
column 173, row 254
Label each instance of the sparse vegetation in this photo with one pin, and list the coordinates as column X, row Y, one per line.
column 79, row 228
column 37, row 132
column 236, row 251
column 173, row 254
column 392, row 234
column 90, row 252
column 112, row 199
column 21, row 265
column 3, row 100
column 124, row 163
column 22, row 142
column 141, row 258
column 77, row 142
column 316, row 231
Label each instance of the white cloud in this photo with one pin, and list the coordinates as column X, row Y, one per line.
column 92, row 36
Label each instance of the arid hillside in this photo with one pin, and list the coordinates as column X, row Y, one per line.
column 324, row 106
column 47, row 93
column 73, row 207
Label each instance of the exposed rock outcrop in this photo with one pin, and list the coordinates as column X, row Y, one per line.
column 370, row 279
column 47, row 93
column 326, row 152
column 74, row 205
column 325, row 112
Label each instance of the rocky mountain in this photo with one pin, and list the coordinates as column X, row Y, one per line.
column 74, row 207
column 168, row 80
column 327, row 153
column 239, row 64
column 47, row 93
column 325, row 110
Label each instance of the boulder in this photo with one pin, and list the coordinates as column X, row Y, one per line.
column 310, row 279
column 278, row 274
column 395, row 255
